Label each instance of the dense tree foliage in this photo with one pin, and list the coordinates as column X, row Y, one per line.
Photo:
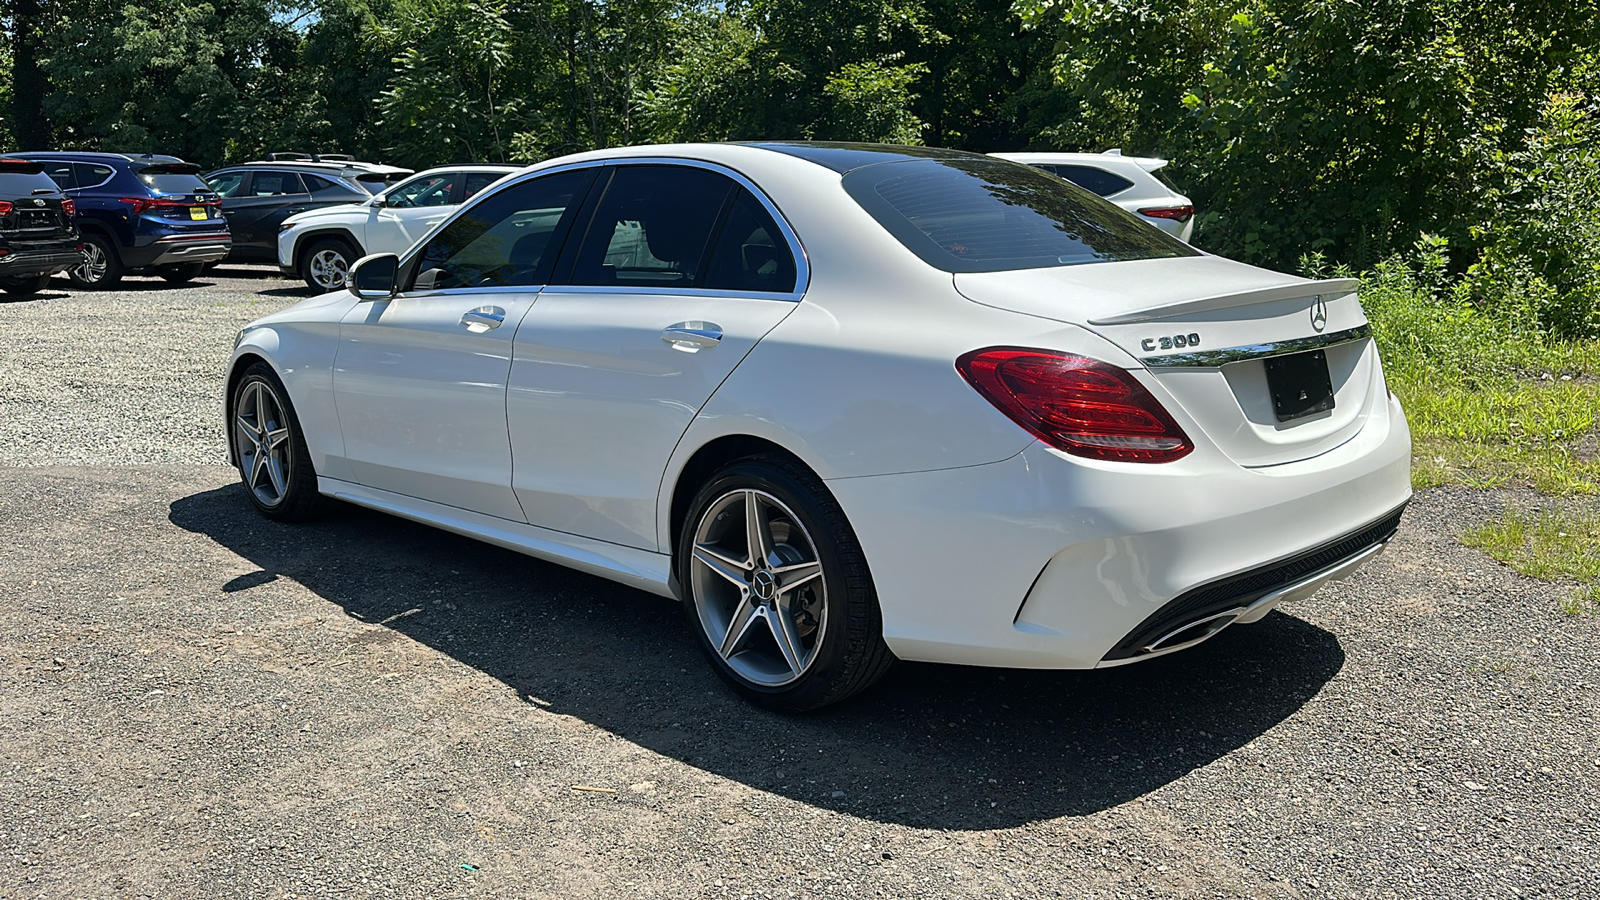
column 1335, row 127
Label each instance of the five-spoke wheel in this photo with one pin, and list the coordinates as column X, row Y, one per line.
column 269, row 449
column 778, row 586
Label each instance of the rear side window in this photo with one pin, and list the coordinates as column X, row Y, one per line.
column 751, row 254
column 1091, row 178
column 477, row 181
column 61, row 173
column 653, row 227
column 962, row 215
column 327, row 187
column 274, row 184
column 510, row 238
column 91, row 175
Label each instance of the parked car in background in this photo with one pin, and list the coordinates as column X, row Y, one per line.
column 258, row 196
column 37, row 236
column 847, row 402
column 1131, row 182
column 321, row 244
column 137, row 213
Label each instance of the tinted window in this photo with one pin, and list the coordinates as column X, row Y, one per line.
column 989, row 216
column 273, row 184
column 61, row 173
column 751, row 254
column 227, row 184
column 326, row 187
column 477, row 181
column 1092, row 179
column 652, row 226
column 429, row 190
column 91, row 174
column 509, row 238
column 177, row 178
column 21, row 180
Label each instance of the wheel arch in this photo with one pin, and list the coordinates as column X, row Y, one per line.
column 304, row 242
column 236, row 371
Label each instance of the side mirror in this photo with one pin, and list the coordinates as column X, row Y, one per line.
column 373, row 277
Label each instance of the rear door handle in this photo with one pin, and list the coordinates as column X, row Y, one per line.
column 484, row 318
column 692, row 337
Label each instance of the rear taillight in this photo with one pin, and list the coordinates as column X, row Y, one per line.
column 6, row 206
column 1075, row 404
column 1177, row 213
column 69, row 207
column 142, row 205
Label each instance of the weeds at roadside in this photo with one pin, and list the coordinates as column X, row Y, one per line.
column 1548, row 546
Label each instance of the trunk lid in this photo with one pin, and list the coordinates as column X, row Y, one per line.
column 1221, row 338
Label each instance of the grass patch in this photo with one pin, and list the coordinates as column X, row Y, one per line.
column 1547, row 546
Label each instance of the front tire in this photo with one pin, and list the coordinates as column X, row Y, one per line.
column 101, row 269
column 777, row 587
column 27, row 286
column 270, row 449
column 326, row 264
column 181, row 274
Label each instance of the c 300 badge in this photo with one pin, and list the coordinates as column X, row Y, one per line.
column 1173, row 341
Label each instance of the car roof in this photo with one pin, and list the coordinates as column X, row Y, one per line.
column 99, row 156
column 1112, row 157
column 843, row 157
column 310, row 166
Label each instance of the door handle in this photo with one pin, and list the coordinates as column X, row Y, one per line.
column 484, row 318
column 692, row 337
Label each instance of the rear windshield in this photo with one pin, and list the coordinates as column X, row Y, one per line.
column 981, row 215
column 177, row 178
column 14, row 184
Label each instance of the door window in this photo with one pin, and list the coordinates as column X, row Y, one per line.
column 508, row 238
column 91, row 175
column 429, row 190
column 477, row 181
column 652, row 227
column 328, row 188
column 275, row 184
column 227, row 184
column 751, row 253
column 61, row 173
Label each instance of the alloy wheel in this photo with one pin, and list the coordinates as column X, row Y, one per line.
column 758, row 588
column 262, row 436
column 94, row 263
column 329, row 268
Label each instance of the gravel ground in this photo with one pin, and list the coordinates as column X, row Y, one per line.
column 202, row 703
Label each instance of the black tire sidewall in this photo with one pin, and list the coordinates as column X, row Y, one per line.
column 318, row 246
column 817, row 686
column 31, row 284
column 300, row 499
column 180, row 274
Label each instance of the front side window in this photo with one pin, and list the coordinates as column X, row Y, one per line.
column 227, row 184
column 982, row 215
column 652, row 227
column 508, row 238
column 429, row 190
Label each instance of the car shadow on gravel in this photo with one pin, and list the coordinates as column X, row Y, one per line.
column 929, row 747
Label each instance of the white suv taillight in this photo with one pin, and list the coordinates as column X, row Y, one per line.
column 1075, row 404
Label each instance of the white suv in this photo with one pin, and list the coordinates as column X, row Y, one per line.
column 1130, row 182
column 320, row 245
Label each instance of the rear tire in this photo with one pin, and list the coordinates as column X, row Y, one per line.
column 102, row 268
column 181, row 274
column 790, row 618
column 326, row 263
column 270, row 449
column 25, row 286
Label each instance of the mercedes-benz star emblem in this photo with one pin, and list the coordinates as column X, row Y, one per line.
column 1319, row 313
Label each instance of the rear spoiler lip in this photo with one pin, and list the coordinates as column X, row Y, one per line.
column 1331, row 287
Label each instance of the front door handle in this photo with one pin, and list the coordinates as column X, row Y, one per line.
column 484, row 318
column 692, row 337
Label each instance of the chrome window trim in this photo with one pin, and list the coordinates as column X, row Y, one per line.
column 802, row 264
column 1212, row 359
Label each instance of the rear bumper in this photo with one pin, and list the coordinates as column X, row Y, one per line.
column 1051, row 561
column 40, row 262
column 179, row 249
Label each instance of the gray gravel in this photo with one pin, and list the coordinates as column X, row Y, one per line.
column 201, row 703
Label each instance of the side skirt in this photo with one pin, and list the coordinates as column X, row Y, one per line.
column 635, row 568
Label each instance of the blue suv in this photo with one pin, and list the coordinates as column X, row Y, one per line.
column 138, row 214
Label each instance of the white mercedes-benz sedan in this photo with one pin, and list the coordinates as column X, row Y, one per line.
column 848, row 403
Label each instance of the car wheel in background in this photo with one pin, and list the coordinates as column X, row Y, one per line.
column 270, row 449
column 777, row 587
column 180, row 274
column 31, row 284
column 326, row 263
column 101, row 268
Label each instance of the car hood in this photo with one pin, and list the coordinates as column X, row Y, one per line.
column 342, row 211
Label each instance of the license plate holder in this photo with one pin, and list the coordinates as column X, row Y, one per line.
column 197, row 213
column 1299, row 384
